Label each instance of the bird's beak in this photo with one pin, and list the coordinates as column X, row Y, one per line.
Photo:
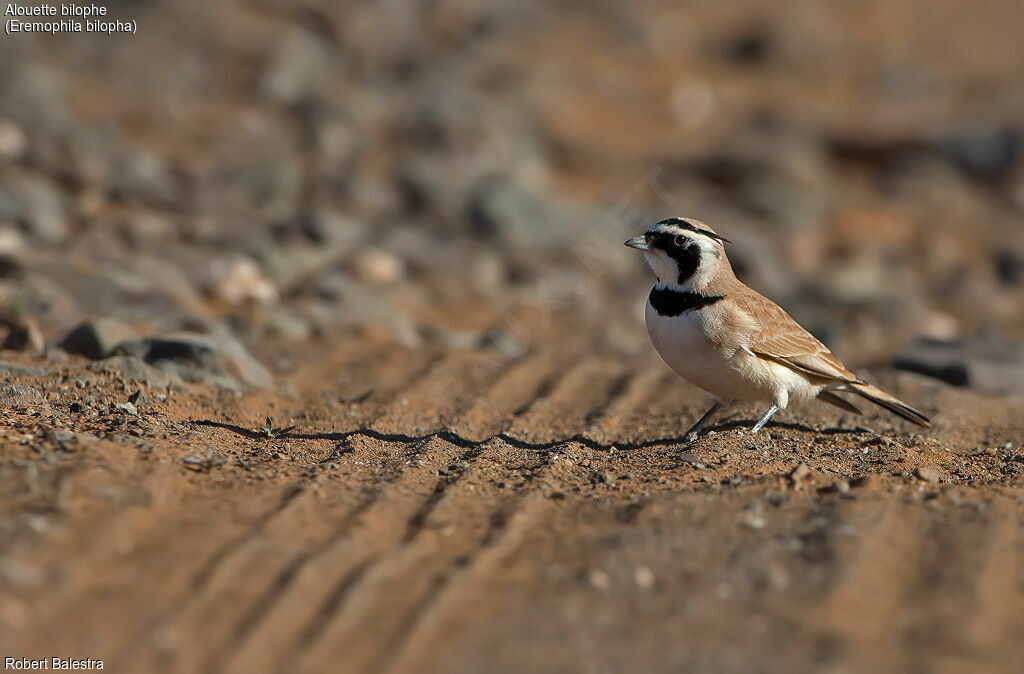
column 638, row 242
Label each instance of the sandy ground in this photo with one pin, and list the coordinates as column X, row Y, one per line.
column 464, row 511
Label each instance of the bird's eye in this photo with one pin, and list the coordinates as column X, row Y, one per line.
column 679, row 241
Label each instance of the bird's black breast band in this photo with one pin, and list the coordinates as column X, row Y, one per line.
column 675, row 302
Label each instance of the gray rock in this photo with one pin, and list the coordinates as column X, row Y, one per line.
column 43, row 206
column 503, row 211
column 325, row 226
column 289, row 325
column 336, row 142
column 22, row 370
column 11, row 207
column 137, row 371
column 423, row 186
column 298, row 68
column 928, row 474
column 19, row 396
column 190, row 349
column 95, row 338
column 504, row 341
column 215, row 359
column 142, row 173
column 521, row 218
column 987, row 364
column 292, row 266
column 984, row 153
column 23, row 334
column 49, row 298
column 1009, row 266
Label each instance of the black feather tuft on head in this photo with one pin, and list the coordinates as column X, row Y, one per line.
column 689, row 226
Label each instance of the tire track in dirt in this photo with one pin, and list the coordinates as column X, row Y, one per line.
column 390, row 380
column 349, row 560
column 214, row 570
column 142, row 546
column 281, row 632
column 492, row 543
column 449, row 386
column 101, row 537
column 246, row 621
column 405, row 652
column 529, row 379
column 271, row 557
column 131, row 537
column 370, row 607
column 570, row 428
column 328, row 570
column 633, row 403
column 391, row 373
column 943, row 594
column 400, row 367
column 408, row 574
column 862, row 601
column 270, row 638
column 582, row 393
column 993, row 630
column 622, row 393
column 269, row 607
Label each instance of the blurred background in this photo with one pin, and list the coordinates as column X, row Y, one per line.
column 288, row 170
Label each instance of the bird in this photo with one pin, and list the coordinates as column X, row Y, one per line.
column 728, row 339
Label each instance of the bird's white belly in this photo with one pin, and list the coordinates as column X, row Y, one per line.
column 683, row 344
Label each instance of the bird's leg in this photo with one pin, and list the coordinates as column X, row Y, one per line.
column 692, row 433
column 764, row 420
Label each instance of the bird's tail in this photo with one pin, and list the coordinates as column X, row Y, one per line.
column 891, row 403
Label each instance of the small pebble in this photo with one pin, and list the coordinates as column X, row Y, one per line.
column 238, row 279
column 754, row 519
column 378, row 266
column 599, row 579
column 800, row 473
column 13, row 141
column 644, row 577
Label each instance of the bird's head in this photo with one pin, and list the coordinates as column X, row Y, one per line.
column 682, row 252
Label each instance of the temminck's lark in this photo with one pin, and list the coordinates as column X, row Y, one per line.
column 730, row 340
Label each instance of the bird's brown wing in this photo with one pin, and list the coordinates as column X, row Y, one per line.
column 779, row 338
